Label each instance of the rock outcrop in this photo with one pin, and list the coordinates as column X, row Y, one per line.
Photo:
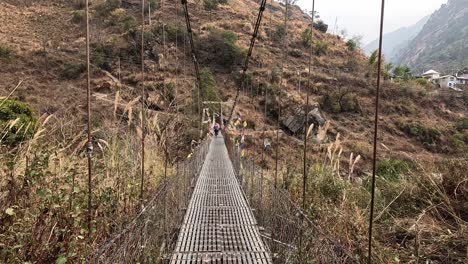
column 294, row 121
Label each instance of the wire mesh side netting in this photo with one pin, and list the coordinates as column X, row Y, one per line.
column 151, row 236
column 291, row 236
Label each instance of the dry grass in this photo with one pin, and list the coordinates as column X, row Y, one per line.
column 43, row 190
column 419, row 217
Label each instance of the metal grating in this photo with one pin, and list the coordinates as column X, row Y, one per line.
column 219, row 226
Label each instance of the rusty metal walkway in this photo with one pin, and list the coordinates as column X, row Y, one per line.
column 219, row 226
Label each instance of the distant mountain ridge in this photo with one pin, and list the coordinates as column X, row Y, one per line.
column 442, row 44
column 397, row 40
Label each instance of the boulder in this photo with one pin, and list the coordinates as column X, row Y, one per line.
column 316, row 117
column 295, row 120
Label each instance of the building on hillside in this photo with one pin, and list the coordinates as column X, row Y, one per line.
column 430, row 75
column 462, row 79
column 446, row 81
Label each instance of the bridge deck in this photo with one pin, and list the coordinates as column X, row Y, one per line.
column 219, row 226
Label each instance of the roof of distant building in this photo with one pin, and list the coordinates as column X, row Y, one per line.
column 430, row 72
column 444, row 77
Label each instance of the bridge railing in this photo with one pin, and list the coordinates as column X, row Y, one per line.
column 291, row 236
column 151, row 236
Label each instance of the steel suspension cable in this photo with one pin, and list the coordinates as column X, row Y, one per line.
column 376, row 120
column 89, row 148
column 143, row 112
column 306, row 121
column 247, row 58
column 306, row 129
column 285, row 55
column 194, row 57
column 176, row 22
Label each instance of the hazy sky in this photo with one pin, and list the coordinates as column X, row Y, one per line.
column 361, row 17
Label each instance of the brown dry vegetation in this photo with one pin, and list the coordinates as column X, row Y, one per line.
column 43, row 179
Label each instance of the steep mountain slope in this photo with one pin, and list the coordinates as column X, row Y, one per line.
column 397, row 40
column 442, row 43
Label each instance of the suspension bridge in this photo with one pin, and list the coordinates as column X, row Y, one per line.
column 218, row 207
column 219, row 226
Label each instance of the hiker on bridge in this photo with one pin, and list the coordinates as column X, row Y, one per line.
column 216, row 129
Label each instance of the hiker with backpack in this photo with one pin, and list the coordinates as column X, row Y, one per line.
column 216, row 129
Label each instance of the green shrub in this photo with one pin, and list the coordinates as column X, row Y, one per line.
column 350, row 103
column 153, row 4
column 334, row 103
column 220, row 48
column 459, row 142
column 247, row 80
column 402, row 72
column 208, row 86
column 271, row 103
column 120, row 18
column 340, row 102
column 134, row 40
column 175, row 32
column 6, row 54
column 79, row 4
column 72, row 71
column 404, row 91
column 118, row 44
column 425, row 135
column 275, row 75
column 78, row 17
column 135, row 34
column 421, row 81
column 280, row 32
column 129, row 23
column 210, row 5
column 207, row 90
column 116, row 16
column 330, row 188
column 401, row 107
column 321, row 26
column 296, row 53
column 100, row 54
column 351, row 44
column 105, row 8
column 169, row 91
column 306, row 37
column 321, row 48
column 459, row 138
column 465, row 94
column 227, row 35
column 18, row 122
column 392, row 169
column 325, row 187
column 462, row 124
column 329, row 104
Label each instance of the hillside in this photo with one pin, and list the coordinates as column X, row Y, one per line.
column 395, row 41
column 441, row 44
column 423, row 132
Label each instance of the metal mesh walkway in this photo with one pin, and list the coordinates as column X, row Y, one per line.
column 219, row 226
